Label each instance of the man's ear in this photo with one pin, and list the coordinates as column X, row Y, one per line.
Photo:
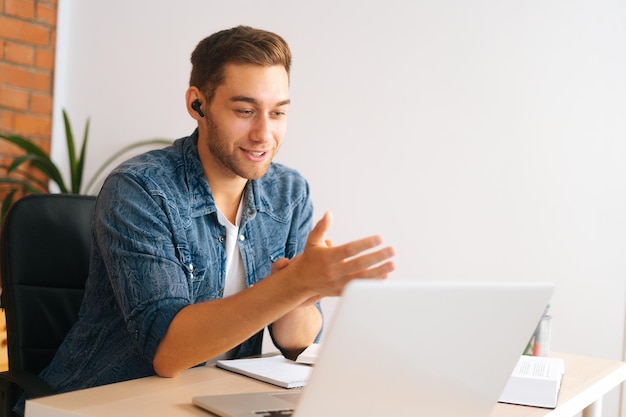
column 195, row 101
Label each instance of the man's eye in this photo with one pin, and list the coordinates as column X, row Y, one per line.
column 245, row 113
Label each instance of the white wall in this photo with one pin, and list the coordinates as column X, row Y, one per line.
column 485, row 139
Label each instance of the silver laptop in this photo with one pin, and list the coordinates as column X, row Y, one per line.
column 397, row 348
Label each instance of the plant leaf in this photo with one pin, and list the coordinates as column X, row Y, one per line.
column 71, row 151
column 45, row 165
column 25, row 185
column 26, row 175
column 26, row 145
column 80, row 164
column 18, row 161
column 39, row 159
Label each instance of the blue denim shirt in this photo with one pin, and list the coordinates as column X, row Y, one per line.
column 157, row 247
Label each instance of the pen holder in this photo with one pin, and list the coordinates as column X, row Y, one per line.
column 539, row 344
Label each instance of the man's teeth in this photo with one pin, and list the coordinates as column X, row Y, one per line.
column 256, row 153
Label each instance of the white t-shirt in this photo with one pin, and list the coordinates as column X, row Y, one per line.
column 235, row 274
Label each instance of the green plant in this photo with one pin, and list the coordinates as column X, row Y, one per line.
column 42, row 170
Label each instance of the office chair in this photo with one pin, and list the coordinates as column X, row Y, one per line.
column 44, row 255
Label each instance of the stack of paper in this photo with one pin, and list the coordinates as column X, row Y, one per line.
column 536, row 381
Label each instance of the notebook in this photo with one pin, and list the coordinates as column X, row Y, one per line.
column 398, row 348
column 275, row 370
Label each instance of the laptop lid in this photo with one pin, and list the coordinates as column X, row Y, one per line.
column 406, row 348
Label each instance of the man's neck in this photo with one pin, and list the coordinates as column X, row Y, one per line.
column 226, row 187
column 227, row 199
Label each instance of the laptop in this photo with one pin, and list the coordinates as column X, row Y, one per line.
column 399, row 348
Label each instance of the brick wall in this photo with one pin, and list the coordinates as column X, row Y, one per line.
column 27, row 43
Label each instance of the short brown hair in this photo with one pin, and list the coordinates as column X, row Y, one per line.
column 239, row 45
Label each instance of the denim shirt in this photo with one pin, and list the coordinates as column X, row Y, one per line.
column 157, row 247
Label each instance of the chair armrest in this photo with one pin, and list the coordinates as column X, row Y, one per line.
column 28, row 382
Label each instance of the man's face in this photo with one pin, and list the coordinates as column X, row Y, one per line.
column 247, row 119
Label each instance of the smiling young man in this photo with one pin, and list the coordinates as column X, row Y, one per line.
column 199, row 246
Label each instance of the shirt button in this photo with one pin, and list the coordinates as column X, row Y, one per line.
column 242, row 238
column 221, row 239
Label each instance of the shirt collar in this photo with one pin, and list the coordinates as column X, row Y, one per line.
column 200, row 197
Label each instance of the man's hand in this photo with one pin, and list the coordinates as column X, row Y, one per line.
column 325, row 270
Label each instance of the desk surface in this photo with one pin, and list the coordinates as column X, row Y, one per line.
column 585, row 381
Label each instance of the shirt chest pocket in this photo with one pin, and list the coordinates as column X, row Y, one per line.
column 203, row 277
column 261, row 259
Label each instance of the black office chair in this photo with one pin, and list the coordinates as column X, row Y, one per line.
column 44, row 256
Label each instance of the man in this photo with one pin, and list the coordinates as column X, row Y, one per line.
column 199, row 246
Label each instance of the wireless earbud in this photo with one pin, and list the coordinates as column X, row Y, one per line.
column 196, row 106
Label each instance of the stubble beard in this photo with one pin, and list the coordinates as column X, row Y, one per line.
column 220, row 151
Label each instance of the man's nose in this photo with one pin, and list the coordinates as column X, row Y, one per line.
column 262, row 129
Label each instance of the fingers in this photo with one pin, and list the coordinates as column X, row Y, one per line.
column 379, row 272
column 279, row 264
column 356, row 247
column 317, row 235
column 369, row 259
column 371, row 265
column 347, row 254
column 324, row 269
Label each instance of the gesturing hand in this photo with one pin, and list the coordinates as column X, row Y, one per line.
column 324, row 269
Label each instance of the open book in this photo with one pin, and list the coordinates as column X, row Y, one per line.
column 276, row 370
column 535, row 381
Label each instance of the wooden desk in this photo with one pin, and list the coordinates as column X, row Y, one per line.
column 585, row 383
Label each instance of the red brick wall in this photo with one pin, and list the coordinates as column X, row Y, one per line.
column 27, row 44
